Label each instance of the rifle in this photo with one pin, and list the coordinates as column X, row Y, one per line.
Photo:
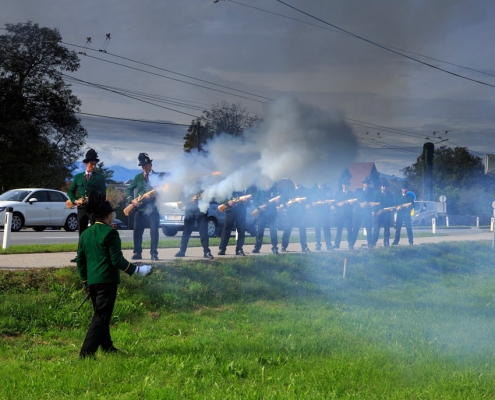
column 193, row 199
column 320, row 202
column 296, row 200
column 71, row 205
column 369, row 203
column 403, row 205
column 235, row 202
column 256, row 212
column 348, row 201
column 139, row 199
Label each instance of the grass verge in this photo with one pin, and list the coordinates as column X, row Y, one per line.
column 405, row 323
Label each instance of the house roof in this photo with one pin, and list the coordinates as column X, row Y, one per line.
column 359, row 171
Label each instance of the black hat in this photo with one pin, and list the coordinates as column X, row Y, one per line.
column 91, row 155
column 97, row 205
column 345, row 181
column 383, row 182
column 144, row 159
column 367, row 180
column 404, row 185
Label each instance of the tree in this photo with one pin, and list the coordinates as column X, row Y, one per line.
column 40, row 136
column 106, row 172
column 223, row 117
column 459, row 176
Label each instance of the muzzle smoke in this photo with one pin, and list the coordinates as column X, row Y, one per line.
column 296, row 141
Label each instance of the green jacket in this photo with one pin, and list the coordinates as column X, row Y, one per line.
column 139, row 183
column 80, row 187
column 99, row 256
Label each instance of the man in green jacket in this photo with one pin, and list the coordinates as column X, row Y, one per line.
column 82, row 185
column 99, row 262
column 144, row 210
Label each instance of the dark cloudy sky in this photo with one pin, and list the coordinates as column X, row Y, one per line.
column 270, row 56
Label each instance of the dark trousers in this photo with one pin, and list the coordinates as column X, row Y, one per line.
column 83, row 218
column 297, row 219
column 406, row 218
column 344, row 221
column 139, row 225
column 189, row 222
column 103, row 296
column 382, row 219
column 322, row 222
column 266, row 219
column 236, row 216
column 363, row 218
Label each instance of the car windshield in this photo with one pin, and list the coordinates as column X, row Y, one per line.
column 417, row 206
column 15, row 195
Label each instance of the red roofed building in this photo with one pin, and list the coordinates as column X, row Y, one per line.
column 357, row 172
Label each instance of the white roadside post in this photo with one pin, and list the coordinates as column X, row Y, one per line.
column 491, row 224
column 7, row 227
column 433, row 225
column 493, row 241
column 477, row 222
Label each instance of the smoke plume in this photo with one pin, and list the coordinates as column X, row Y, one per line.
column 296, row 141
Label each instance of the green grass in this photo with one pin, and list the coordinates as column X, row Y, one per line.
column 173, row 243
column 406, row 323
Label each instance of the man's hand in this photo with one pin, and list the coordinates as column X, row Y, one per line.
column 135, row 203
column 86, row 288
column 144, row 270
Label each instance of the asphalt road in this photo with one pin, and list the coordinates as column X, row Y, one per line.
column 29, row 236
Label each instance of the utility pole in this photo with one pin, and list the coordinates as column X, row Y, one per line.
column 428, row 150
column 198, row 134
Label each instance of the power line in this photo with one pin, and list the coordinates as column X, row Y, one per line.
column 130, row 119
column 174, row 79
column 347, row 34
column 385, row 47
column 132, row 97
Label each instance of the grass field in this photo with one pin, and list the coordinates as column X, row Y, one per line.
column 406, row 323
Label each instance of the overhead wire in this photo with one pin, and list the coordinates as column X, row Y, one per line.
column 348, row 34
column 131, row 119
column 385, row 47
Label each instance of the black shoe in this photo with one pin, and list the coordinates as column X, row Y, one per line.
column 255, row 251
column 136, row 257
column 410, row 243
column 239, row 253
column 275, row 251
column 283, row 250
column 74, row 259
column 370, row 246
column 155, row 258
column 208, row 255
column 330, row 248
column 318, row 247
column 385, row 244
column 351, row 247
column 221, row 253
column 395, row 243
column 111, row 349
column 306, row 250
column 180, row 254
column 91, row 356
column 336, row 246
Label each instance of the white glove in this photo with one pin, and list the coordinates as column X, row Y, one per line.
column 144, row 270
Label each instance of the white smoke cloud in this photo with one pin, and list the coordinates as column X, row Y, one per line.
column 296, row 140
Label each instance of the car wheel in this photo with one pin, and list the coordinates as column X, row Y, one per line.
column 169, row 231
column 39, row 228
column 71, row 223
column 212, row 227
column 17, row 222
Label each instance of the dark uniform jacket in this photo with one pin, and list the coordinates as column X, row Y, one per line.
column 99, row 256
column 407, row 198
column 80, row 187
column 263, row 197
column 385, row 199
column 364, row 197
column 321, row 194
column 139, row 183
column 346, row 208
